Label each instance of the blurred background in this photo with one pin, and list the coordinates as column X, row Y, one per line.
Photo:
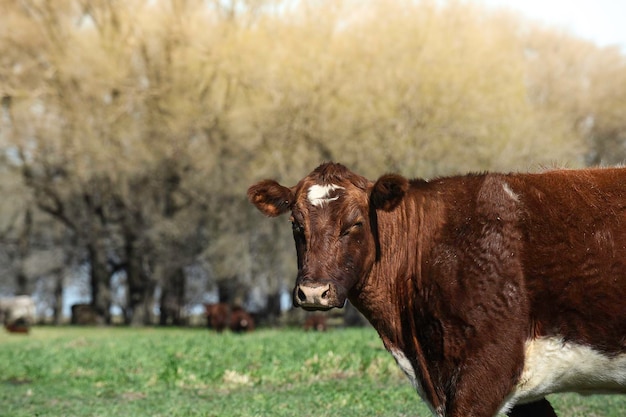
column 130, row 131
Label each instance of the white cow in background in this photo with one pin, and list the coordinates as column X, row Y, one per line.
column 17, row 313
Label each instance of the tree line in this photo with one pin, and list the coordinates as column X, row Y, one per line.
column 130, row 130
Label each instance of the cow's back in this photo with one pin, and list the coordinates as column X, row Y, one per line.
column 574, row 228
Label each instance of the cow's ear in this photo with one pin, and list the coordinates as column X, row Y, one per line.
column 271, row 198
column 388, row 191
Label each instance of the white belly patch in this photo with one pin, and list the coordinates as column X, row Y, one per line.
column 404, row 364
column 552, row 365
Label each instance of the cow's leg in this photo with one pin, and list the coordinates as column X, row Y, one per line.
column 472, row 400
column 482, row 388
column 541, row 408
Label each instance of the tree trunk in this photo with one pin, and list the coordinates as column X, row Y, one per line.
column 173, row 297
column 141, row 286
column 100, row 282
column 226, row 290
column 57, row 308
column 270, row 314
column 140, row 300
column 231, row 291
column 21, row 280
column 21, row 283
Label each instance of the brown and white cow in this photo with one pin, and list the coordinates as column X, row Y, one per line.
column 490, row 291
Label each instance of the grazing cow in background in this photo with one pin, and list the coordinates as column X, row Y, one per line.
column 240, row 320
column 316, row 322
column 18, row 313
column 217, row 316
column 490, row 291
column 221, row 315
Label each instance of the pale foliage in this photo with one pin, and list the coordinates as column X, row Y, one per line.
column 221, row 94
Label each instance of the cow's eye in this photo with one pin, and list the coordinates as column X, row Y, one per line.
column 354, row 227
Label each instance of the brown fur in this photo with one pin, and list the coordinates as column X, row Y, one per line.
column 17, row 328
column 458, row 273
column 316, row 322
column 221, row 316
column 241, row 321
column 217, row 316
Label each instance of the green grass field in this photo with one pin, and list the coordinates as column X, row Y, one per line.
column 194, row 372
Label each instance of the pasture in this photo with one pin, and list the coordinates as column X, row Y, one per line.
column 194, row 372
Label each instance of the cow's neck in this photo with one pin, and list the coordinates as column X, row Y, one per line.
column 391, row 295
column 395, row 283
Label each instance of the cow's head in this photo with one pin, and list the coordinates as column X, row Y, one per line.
column 333, row 219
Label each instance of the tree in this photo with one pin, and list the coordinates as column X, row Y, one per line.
column 137, row 126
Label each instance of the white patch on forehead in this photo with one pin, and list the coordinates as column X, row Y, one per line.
column 320, row 194
column 552, row 365
column 406, row 366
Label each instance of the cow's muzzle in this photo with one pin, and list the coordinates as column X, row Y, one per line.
column 311, row 296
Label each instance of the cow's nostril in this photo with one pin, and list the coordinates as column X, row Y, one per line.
column 325, row 294
column 301, row 295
